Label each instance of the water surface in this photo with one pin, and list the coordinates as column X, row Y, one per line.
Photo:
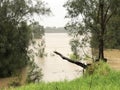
column 53, row 67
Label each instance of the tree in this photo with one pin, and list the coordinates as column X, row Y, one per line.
column 91, row 16
column 75, row 48
column 38, row 33
column 38, row 30
column 113, row 37
column 15, row 33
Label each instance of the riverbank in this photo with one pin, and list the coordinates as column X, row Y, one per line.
column 103, row 78
column 113, row 57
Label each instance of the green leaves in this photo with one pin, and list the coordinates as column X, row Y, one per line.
column 15, row 33
column 37, row 30
column 91, row 16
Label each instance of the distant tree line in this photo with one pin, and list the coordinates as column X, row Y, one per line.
column 55, row 30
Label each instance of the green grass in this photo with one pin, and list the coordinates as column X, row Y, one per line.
column 101, row 78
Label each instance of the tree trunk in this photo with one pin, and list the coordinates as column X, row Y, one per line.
column 101, row 36
column 84, row 66
column 101, row 49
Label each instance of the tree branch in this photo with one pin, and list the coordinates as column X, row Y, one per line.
column 105, row 16
column 107, row 20
column 72, row 61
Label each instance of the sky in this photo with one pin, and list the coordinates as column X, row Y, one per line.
column 58, row 13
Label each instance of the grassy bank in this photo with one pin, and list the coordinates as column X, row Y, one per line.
column 100, row 77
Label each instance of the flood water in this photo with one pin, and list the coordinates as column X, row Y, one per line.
column 54, row 68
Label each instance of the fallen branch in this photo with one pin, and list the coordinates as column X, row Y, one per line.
column 72, row 61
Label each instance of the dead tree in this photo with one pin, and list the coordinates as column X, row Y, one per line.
column 84, row 66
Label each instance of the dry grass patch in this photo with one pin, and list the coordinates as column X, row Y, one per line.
column 113, row 57
column 20, row 78
column 112, row 53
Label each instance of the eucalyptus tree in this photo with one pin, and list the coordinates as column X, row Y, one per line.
column 91, row 17
column 15, row 33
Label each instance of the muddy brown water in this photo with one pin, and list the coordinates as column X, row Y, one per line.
column 53, row 67
column 56, row 69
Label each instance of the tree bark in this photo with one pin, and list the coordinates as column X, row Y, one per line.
column 101, row 36
column 72, row 61
column 101, row 49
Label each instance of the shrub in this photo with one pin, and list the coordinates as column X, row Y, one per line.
column 98, row 68
column 34, row 73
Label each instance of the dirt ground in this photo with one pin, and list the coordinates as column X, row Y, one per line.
column 5, row 82
column 113, row 57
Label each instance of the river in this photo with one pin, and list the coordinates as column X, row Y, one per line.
column 53, row 67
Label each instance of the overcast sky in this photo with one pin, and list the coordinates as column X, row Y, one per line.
column 59, row 12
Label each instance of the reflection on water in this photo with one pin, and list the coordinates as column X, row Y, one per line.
column 54, row 68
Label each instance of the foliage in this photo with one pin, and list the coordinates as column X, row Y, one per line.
column 113, row 38
column 34, row 73
column 98, row 68
column 80, row 48
column 13, row 50
column 109, row 81
column 74, row 57
column 38, row 30
column 15, row 83
column 91, row 17
column 38, row 41
column 75, row 48
column 36, row 49
column 15, row 33
column 41, row 50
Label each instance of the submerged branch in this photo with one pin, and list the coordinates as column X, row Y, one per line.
column 72, row 61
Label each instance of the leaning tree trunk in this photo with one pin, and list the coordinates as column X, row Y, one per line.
column 84, row 66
